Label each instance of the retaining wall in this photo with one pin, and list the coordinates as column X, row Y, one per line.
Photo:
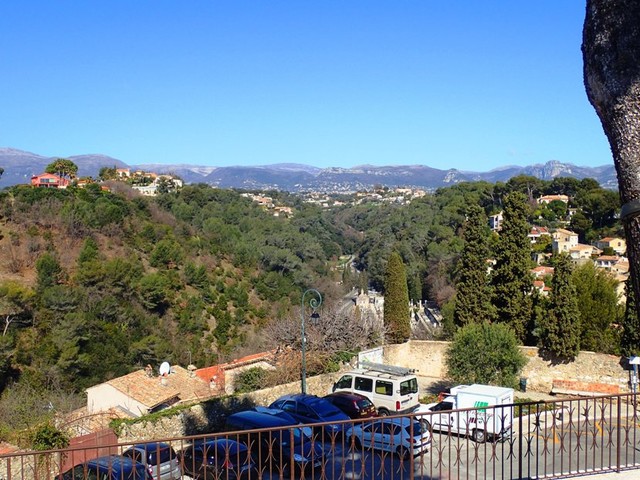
column 588, row 368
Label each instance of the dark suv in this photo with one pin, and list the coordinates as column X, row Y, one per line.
column 353, row 404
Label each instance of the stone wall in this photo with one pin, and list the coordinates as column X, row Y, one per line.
column 427, row 357
column 591, row 368
column 588, row 367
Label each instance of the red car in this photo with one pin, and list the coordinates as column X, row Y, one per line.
column 354, row 405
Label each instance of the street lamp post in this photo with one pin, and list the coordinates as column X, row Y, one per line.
column 314, row 302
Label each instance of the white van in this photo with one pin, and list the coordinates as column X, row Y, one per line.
column 489, row 414
column 393, row 390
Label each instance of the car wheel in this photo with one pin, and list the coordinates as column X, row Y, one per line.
column 478, row 436
column 403, row 453
column 383, row 412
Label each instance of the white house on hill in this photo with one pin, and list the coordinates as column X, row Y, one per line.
column 142, row 392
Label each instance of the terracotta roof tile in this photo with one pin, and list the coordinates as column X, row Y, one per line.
column 154, row 390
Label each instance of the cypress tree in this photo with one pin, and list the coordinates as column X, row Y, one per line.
column 473, row 291
column 512, row 280
column 397, row 320
column 561, row 327
column 600, row 311
column 630, row 341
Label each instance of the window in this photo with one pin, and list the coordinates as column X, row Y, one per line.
column 409, row 386
column 305, row 411
column 344, row 382
column 289, row 407
column 384, row 388
column 364, row 384
column 390, row 429
column 443, row 406
column 374, row 428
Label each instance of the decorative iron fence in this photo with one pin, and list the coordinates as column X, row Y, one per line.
column 556, row 439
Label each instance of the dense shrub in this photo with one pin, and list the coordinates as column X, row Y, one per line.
column 250, row 380
column 485, row 353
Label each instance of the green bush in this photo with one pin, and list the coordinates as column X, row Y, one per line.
column 485, row 353
column 250, row 380
column 48, row 437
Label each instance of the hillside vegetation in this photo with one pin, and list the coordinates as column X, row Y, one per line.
column 96, row 283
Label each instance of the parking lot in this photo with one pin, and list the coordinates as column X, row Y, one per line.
column 548, row 440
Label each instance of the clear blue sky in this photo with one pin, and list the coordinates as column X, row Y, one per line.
column 450, row 84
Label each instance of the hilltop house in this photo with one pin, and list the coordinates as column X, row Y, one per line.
column 540, row 286
column 582, row 253
column 564, row 240
column 546, row 199
column 542, row 271
column 495, row 222
column 142, row 392
column 618, row 245
column 536, row 232
column 49, row 180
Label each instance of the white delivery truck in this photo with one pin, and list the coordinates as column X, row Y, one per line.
column 489, row 414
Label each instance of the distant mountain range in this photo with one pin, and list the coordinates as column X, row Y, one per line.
column 19, row 166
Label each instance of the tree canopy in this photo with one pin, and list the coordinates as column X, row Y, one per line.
column 485, row 353
column 62, row 167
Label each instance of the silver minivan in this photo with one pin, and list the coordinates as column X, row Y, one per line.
column 159, row 458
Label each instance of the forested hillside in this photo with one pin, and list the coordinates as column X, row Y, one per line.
column 96, row 282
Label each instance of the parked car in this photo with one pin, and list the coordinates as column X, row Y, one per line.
column 160, row 458
column 276, row 448
column 309, row 409
column 276, row 412
column 110, row 467
column 217, row 458
column 401, row 435
column 353, row 404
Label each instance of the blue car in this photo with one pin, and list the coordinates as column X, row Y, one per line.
column 218, row 458
column 284, row 446
column 310, row 409
column 111, row 467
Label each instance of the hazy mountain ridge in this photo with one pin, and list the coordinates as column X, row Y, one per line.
column 20, row 165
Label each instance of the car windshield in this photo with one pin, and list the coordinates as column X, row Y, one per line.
column 156, row 456
column 409, row 386
column 364, row 403
column 416, row 429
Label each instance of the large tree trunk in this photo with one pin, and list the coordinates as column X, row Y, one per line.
column 611, row 54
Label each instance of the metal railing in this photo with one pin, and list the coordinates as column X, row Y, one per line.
column 534, row 440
